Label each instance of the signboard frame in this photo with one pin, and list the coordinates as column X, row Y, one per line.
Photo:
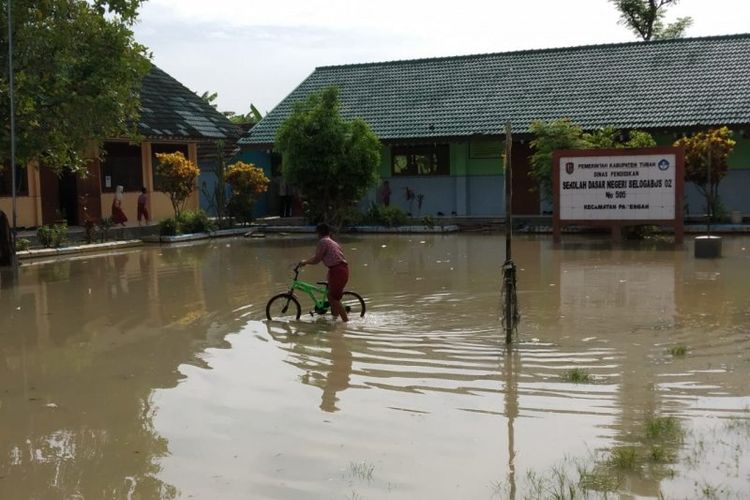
column 616, row 225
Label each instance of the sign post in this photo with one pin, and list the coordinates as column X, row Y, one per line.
column 510, row 304
column 614, row 188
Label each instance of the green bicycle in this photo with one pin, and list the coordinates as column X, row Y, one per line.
column 286, row 304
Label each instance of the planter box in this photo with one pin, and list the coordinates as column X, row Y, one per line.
column 71, row 250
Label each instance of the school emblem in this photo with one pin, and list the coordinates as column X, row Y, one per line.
column 569, row 167
column 664, row 164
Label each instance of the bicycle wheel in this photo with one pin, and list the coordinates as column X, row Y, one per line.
column 353, row 303
column 283, row 305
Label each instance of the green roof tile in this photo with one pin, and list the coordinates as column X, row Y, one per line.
column 169, row 110
column 662, row 84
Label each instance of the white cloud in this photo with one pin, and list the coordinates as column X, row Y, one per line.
column 258, row 51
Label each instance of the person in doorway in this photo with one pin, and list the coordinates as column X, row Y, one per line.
column 329, row 252
column 285, row 196
column 143, row 207
column 118, row 216
column 385, row 193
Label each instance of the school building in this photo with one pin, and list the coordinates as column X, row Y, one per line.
column 441, row 120
column 173, row 118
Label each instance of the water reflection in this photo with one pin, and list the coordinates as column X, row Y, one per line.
column 149, row 373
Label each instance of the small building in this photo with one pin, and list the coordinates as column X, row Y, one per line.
column 173, row 118
column 441, row 120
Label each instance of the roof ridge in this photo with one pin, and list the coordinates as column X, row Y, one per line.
column 569, row 48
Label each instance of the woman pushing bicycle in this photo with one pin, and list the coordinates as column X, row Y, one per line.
column 329, row 252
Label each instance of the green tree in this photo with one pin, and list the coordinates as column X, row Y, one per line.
column 249, row 119
column 332, row 162
column 78, row 73
column 704, row 151
column 564, row 134
column 645, row 18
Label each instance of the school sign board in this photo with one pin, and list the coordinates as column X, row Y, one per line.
column 618, row 187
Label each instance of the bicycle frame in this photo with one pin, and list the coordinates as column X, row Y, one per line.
column 313, row 291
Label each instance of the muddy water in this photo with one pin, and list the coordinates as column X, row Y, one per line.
column 152, row 374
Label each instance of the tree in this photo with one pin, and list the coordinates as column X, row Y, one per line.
column 645, row 18
column 564, row 134
column 704, row 150
column 78, row 73
column 249, row 119
column 176, row 177
column 332, row 162
column 247, row 182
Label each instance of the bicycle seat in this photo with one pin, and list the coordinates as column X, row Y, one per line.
column 324, row 283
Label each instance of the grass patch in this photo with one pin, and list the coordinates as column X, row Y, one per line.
column 577, row 376
column 678, row 351
column 660, row 455
column 624, row 458
column 361, row 470
column 664, row 429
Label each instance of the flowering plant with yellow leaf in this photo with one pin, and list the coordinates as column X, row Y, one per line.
column 704, row 151
column 247, row 182
column 176, row 177
column 246, row 179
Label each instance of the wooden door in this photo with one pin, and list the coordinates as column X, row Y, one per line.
column 50, row 194
column 525, row 199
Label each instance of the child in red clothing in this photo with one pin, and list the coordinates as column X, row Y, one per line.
column 143, row 207
column 330, row 253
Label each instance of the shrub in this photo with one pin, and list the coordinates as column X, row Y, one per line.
column 22, row 244
column 385, row 216
column 186, row 223
column 194, row 222
column 104, row 226
column 168, row 227
column 52, row 236
column 247, row 182
column 393, row 216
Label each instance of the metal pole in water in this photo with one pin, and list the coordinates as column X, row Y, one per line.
column 510, row 306
column 710, row 211
column 11, row 95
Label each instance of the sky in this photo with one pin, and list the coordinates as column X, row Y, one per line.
column 252, row 51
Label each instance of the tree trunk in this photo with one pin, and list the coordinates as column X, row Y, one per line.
column 7, row 251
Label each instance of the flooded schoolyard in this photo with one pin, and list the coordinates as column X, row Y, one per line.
column 152, row 373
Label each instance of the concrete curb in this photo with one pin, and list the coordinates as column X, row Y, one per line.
column 72, row 250
column 450, row 228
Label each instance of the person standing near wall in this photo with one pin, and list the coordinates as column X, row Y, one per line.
column 285, row 196
column 143, row 207
column 118, row 215
column 385, row 193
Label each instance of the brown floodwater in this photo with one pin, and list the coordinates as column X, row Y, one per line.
column 152, row 373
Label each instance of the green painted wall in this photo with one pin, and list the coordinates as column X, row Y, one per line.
column 740, row 157
column 462, row 163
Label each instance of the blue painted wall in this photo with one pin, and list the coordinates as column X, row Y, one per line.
column 260, row 159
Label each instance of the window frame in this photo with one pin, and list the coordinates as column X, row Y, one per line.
column 439, row 154
column 127, row 187
column 22, row 181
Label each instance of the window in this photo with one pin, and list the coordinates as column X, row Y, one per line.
column 164, row 148
column 122, row 166
column 421, row 160
column 6, row 181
